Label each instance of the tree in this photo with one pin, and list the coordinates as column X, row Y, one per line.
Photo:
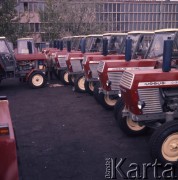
column 65, row 17
column 9, row 26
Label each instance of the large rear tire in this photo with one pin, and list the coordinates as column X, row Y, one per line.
column 126, row 124
column 79, row 83
column 64, row 77
column 164, row 143
column 89, row 87
column 37, row 80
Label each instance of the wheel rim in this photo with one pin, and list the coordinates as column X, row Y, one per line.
column 170, row 147
column 133, row 125
column 109, row 101
column 91, row 86
column 81, row 83
column 66, row 79
column 37, row 80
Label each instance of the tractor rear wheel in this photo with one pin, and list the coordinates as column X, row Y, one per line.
column 126, row 124
column 164, row 143
column 37, row 80
column 64, row 77
column 79, row 83
column 89, row 86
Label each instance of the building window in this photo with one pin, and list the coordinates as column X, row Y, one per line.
column 25, row 4
column 37, row 28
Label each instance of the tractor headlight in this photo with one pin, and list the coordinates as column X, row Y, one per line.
column 141, row 104
column 119, row 94
column 108, row 83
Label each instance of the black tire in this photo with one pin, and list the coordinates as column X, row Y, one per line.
column 106, row 101
column 37, row 80
column 126, row 124
column 71, row 79
column 89, row 87
column 79, row 83
column 96, row 92
column 64, row 77
column 158, row 142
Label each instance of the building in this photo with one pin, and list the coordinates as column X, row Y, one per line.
column 114, row 15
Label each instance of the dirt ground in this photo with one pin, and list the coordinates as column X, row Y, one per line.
column 64, row 135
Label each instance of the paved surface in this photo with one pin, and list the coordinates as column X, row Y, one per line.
column 63, row 135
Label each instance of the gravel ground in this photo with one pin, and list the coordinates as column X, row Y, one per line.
column 63, row 135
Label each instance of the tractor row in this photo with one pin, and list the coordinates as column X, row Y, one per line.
column 135, row 74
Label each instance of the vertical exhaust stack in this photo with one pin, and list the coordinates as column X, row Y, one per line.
column 29, row 46
column 105, row 47
column 128, row 49
column 83, row 45
column 69, row 46
column 55, row 44
column 167, row 55
column 61, row 45
column 58, row 44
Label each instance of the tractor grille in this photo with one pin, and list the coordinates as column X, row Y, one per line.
column 62, row 61
column 114, row 77
column 93, row 68
column 101, row 66
column 127, row 79
column 151, row 97
column 76, row 65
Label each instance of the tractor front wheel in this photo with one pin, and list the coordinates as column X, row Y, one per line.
column 37, row 79
column 164, row 143
column 71, row 79
column 107, row 101
column 89, row 86
column 126, row 124
column 64, row 77
column 79, row 84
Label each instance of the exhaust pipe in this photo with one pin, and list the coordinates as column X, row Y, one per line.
column 69, row 46
column 83, row 45
column 105, row 47
column 167, row 55
column 61, row 46
column 29, row 46
column 128, row 49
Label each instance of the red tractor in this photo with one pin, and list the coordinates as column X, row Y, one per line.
column 24, row 65
column 113, row 46
column 8, row 154
column 149, row 99
column 111, row 71
column 91, row 44
column 73, row 46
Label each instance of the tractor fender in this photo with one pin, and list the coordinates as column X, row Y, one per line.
column 28, row 75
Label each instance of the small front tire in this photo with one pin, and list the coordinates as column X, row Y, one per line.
column 89, row 86
column 79, row 84
column 126, row 124
column 64, row 77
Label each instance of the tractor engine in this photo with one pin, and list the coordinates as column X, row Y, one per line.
column 26, row 65
column 170, row 97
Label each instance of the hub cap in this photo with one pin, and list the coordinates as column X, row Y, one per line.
column 81, row 83
column 133, row 125
column 37, row 80
column 109, row 101
column 170, row 147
